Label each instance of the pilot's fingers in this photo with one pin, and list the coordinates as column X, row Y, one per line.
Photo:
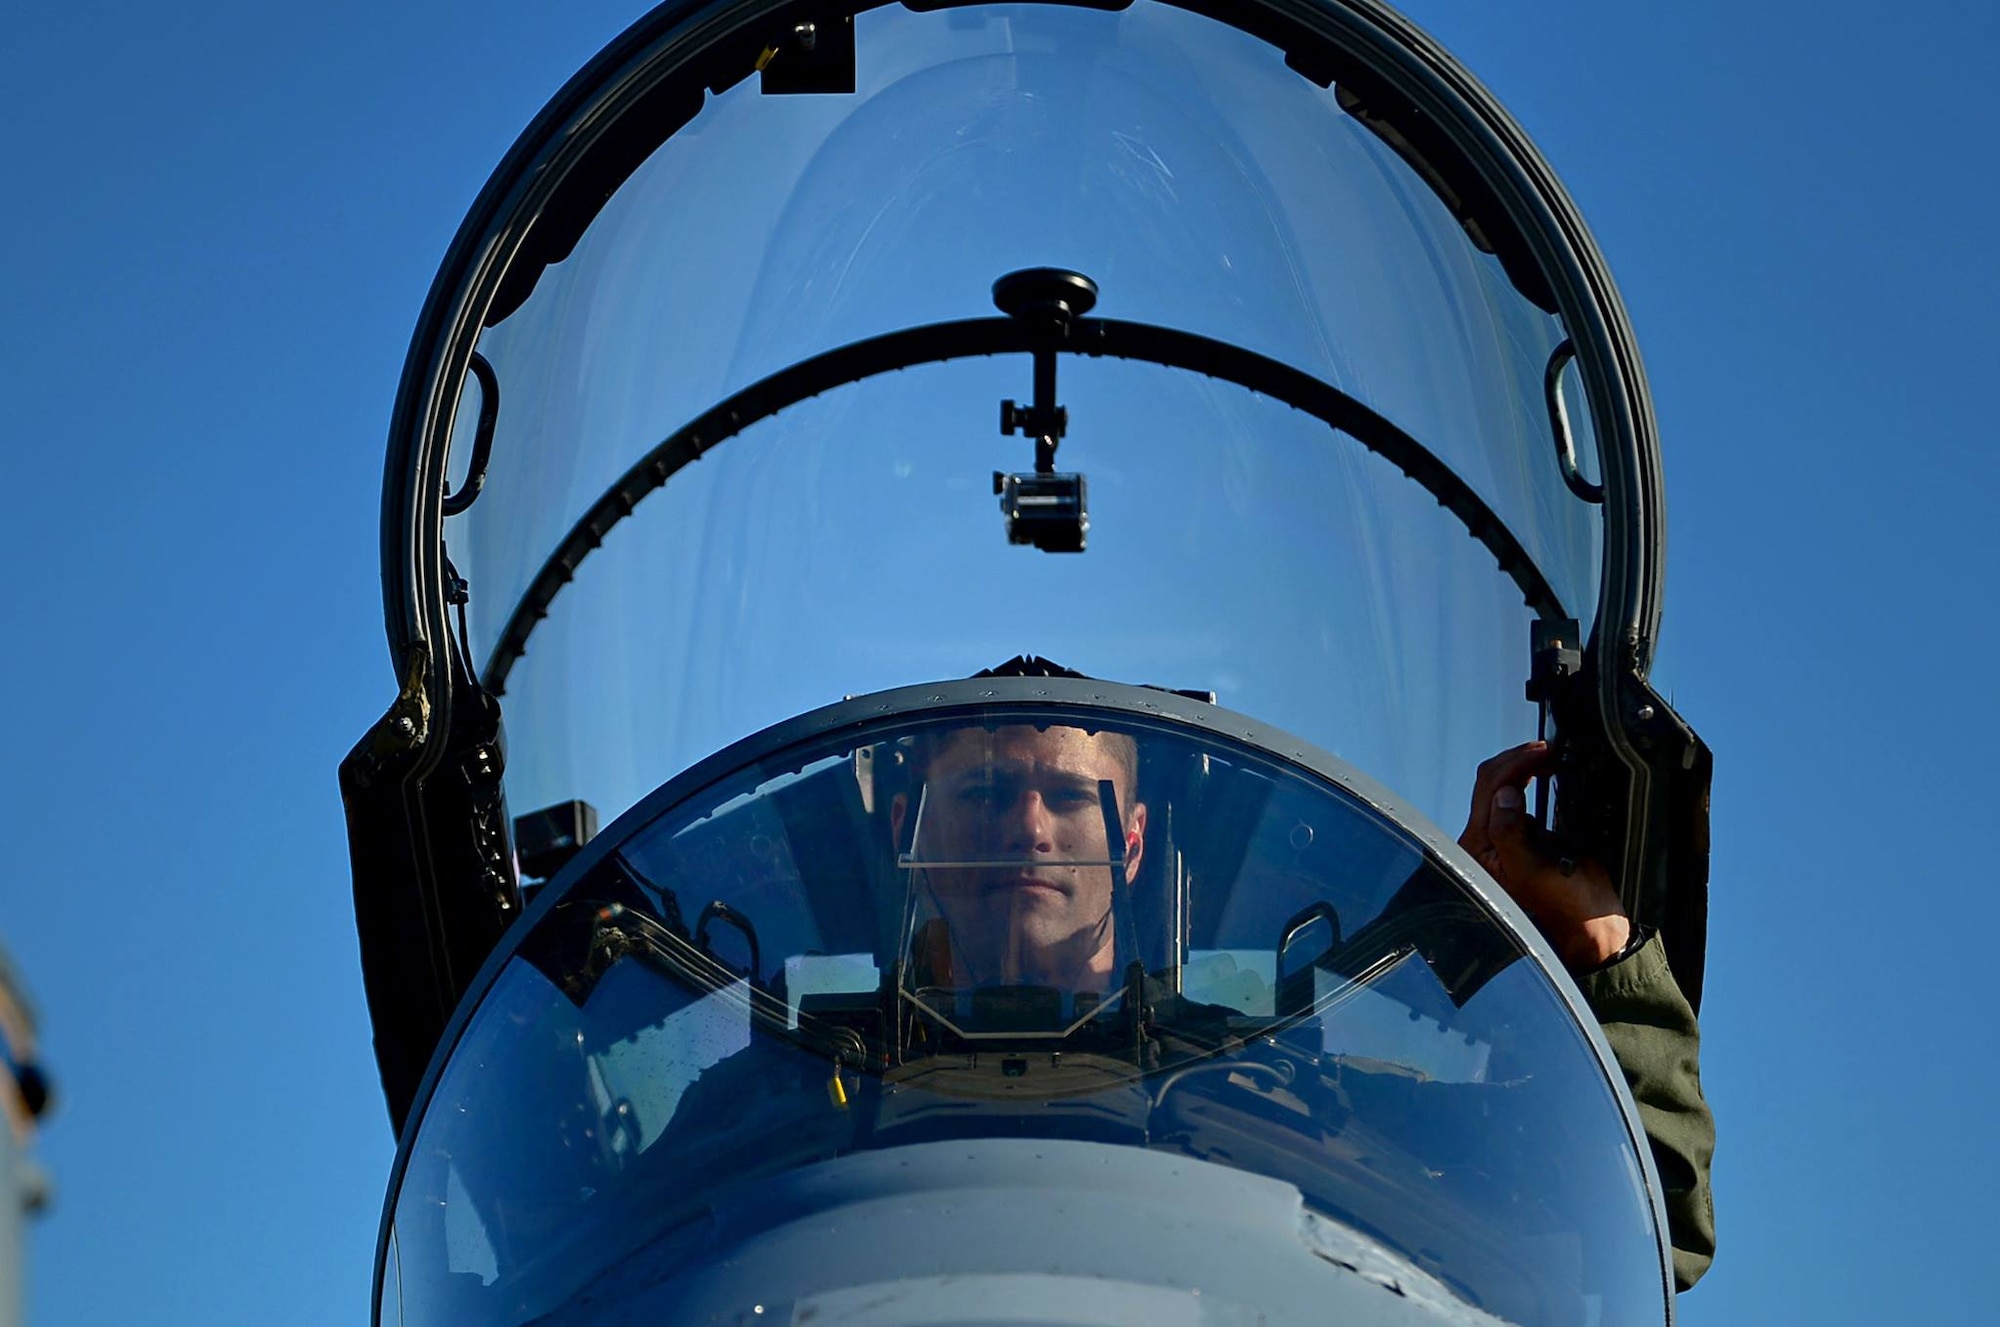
column 1512, row 768
column 1516, row 765
column 1573, row 902
column 1513, row 837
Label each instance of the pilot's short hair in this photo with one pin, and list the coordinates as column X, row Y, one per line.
column 1123, row 747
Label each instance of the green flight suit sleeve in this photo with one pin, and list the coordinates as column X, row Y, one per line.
column 1653, row 1034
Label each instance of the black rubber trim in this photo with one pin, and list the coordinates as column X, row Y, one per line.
column 968, row 338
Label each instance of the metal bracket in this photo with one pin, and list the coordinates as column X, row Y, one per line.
column 1048, row 510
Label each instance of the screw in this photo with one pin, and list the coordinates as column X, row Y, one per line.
column 1643, row 714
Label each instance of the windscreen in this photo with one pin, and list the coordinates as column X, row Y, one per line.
column 853, row 542
column 1020, row 922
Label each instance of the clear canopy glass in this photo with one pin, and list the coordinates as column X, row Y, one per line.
column 1020, row 920
column 852, row 543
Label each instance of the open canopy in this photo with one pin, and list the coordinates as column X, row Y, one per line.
column 806, row 350
column 849, row 542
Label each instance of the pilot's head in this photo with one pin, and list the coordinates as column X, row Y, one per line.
column 1028, row 797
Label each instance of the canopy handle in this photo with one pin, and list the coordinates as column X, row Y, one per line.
column 722, row 912
column 1295, row 990
column 1559, row 359
column 482, row 437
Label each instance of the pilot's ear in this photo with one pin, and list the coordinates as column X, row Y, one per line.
column 1135, row 841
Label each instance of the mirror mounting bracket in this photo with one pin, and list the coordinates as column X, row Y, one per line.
column 1047, row 509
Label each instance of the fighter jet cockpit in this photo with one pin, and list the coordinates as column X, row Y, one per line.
column 949, row 569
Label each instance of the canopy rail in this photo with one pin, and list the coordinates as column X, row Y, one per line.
column 970, row 338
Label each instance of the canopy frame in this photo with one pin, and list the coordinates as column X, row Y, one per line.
column 433, row 879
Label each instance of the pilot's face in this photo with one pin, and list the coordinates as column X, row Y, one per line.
column 1028, row 797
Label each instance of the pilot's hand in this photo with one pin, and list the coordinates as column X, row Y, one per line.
column 1573, row 902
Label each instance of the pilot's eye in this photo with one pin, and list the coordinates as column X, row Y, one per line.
column 983, row 795
column 1070, row 799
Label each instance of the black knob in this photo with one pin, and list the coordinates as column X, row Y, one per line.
column 1054, row 293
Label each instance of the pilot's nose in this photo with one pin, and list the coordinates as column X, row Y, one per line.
column 1030, row 826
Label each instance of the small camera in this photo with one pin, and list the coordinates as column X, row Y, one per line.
column 1048, row 511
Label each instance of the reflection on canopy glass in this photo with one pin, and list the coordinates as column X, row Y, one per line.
column 1021, row 923
column 1235, row 545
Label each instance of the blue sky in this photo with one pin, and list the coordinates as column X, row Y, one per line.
column 220, row 222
